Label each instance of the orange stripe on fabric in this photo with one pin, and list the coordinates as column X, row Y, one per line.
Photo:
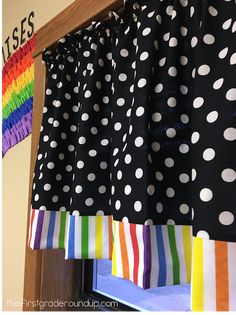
column 222, row 281
column 110, row 236
column 124, row 254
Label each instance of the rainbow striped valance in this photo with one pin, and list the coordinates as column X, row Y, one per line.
column 17, row 96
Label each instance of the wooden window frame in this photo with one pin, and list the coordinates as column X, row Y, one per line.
column 48, row 276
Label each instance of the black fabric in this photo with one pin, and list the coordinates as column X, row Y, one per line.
column 139, row 118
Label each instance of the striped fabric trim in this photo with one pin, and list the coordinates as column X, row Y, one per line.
column 213, row 275
column 152, row 255
column 80, row 236
column 89, row 237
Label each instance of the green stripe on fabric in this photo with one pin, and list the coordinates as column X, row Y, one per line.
column 62, row 230
column 18, row 99
column 84, row 239
column 174, row 254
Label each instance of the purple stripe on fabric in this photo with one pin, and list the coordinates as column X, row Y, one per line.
column 39, row 228
column 17, row 133
column 147, row 256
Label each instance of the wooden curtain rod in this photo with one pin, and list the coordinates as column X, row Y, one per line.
column 74, row 17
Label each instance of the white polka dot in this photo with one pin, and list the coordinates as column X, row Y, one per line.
column 146, row 31
column 193, row 174
column 122, row 77
column 170, row 192
column 53, row 144
column 228, row 175
column 92, row 153
column 209, row 39
column 68, row 168
column 47, row 187
column 233, row 59
column 184, row 178
column 170, row 222
column 91, row 177
column 138, row 142
column 218, row 84
column 80, row 164
column 151, row 190
column 203, row 234
column 206, row 194
column 102, row 189
column 156, row 117
column 36, row 197
column 162, row 62
column 230, row 134
column 66, row 188
column 169, row 162
column 173, row 42
column 204, row 70
column 56, row 103
column 117, row 126
column 117, row 204
column 56, row 123
column 183, row 31
column 67, row 96
column 48, row 91
column 195, row 137
column 223, row 53
column 212, row 11
column 70, row 59
column 183, row 148
column 169, row 10
column 71, row 148
column 184, row 208
column 158, row 88
column 194, row 41
column 103, row 165
column 208, row 154
column 128, row 189
column 226, row 24
column 120, row 102
column 125, row 220
column 231, row 95
column 156, row 146
column 82, row 140
column 171, row 132
column 139, row 173
column 89, row 202
column 159, row 207
column 159, row 176
column 50, row 165
column 78, row 189
column 124, row 53
column 128, row 159
column 184, row 118
column 58, row 177
column 119, row 175
column 142, row 82
column 171, row 102
column 226, row 218
column 198, row 102
column 85, row 117
column 183, row 89
column 144, row 56
column 140, row 111
column 104, row 142
column 137, row 206
column 55, row 198
column 100, row 212
column 183, row 60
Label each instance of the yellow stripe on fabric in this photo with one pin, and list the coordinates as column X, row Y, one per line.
column 186, row 232
column 17, row 85
column 197, row 277
column 114, row 269
column 98, row 236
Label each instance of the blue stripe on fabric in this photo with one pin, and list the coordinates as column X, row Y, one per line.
column 161, row 257
column 71, row 238
column 17, row 115
column 51, row 229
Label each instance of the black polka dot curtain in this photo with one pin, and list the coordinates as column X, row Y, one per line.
column 136, row 159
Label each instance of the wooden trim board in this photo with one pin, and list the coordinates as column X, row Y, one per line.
column 79, row 14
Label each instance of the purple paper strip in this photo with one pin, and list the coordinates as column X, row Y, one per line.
column 17, row 133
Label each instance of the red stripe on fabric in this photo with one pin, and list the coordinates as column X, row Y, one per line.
column 222, row 281
column 31, row 223
column 135, row 250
